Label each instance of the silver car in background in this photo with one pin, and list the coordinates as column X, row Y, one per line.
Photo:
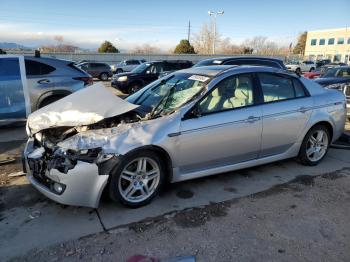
column 126, row 65
column 51, row 79
column 189, row 124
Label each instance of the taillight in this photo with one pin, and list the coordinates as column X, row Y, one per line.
column 87, row 80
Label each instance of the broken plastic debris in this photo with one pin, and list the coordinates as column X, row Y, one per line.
column 5, row 159
column 16, row 174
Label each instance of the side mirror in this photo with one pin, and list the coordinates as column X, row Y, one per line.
column 195, row 112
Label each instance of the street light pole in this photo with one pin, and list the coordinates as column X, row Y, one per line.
column 214, row 14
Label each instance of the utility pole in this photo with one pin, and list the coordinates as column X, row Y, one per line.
column 213, row 15
column 189, row 30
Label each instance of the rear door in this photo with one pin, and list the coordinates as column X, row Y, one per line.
column 14, row 97
column 286, row 109
column 39, row 79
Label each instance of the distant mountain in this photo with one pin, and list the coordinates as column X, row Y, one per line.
column 5, row 45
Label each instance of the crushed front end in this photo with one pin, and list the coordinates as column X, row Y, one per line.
column 70, row 178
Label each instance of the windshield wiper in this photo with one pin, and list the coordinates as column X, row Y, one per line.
column 164, row 100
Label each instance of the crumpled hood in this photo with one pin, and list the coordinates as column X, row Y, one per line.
column 84, row 107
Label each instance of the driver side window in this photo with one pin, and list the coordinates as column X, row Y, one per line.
column 232, row 92
column 156, row 68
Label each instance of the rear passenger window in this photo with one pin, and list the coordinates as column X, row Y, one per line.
column 277, row 88
column 37, row 68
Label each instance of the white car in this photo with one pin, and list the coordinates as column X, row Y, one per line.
column 299, row 67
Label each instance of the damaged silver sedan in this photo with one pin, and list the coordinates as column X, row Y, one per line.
column 189, row 124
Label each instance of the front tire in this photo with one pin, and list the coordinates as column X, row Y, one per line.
column 119, row 71
column 298, row 71
column 312, row 69
column 103, row 76
column 134, row 87
column 315, row 146
column 137, row 179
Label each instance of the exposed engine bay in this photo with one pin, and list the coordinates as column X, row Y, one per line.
column 54, row 157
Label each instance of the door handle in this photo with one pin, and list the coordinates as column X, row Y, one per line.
column 252, row 119
column 43, row 81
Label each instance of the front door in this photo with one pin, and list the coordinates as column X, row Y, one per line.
column 152, row 73
column 228, row 130
column 286, row 110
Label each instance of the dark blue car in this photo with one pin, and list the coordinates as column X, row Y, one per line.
column 337, row 78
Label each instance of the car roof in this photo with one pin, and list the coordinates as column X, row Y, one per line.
column 219, row 69
column 223, row 59
column 170, row 61
column 49, row 60
column 207, row 70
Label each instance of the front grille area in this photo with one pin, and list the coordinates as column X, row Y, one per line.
column 38, row 168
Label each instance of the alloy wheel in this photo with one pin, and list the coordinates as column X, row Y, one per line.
column 317, row 145
column 104, row 77
column 139, row 179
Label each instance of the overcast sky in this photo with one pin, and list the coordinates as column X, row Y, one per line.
column 163, row 23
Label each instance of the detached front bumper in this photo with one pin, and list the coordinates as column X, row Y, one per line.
column 83, row 185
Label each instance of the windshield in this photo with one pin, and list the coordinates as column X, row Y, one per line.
column 141, row 68
column 166, row 95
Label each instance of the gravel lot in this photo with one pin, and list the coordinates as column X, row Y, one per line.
column 306, row 220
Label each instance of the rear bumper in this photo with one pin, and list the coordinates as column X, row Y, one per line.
column 83, row 184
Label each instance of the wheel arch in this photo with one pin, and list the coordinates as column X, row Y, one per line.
column 325, row 123
column 328, row 125
column 52, row 93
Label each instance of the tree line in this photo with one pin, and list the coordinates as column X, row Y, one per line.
column 201, row 43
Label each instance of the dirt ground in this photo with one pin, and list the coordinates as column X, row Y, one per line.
column 305, row 220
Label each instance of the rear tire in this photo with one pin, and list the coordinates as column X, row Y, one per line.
column 103, row 77
column 137, row 179
column 49, row 100
column 315, row 146
column 312, row 69
column 298, row 71
column 119, row 71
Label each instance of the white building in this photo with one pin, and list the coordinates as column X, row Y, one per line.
column 331, row 44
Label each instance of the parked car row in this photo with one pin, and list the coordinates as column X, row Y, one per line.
column 337, row 78
column 146, row 73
